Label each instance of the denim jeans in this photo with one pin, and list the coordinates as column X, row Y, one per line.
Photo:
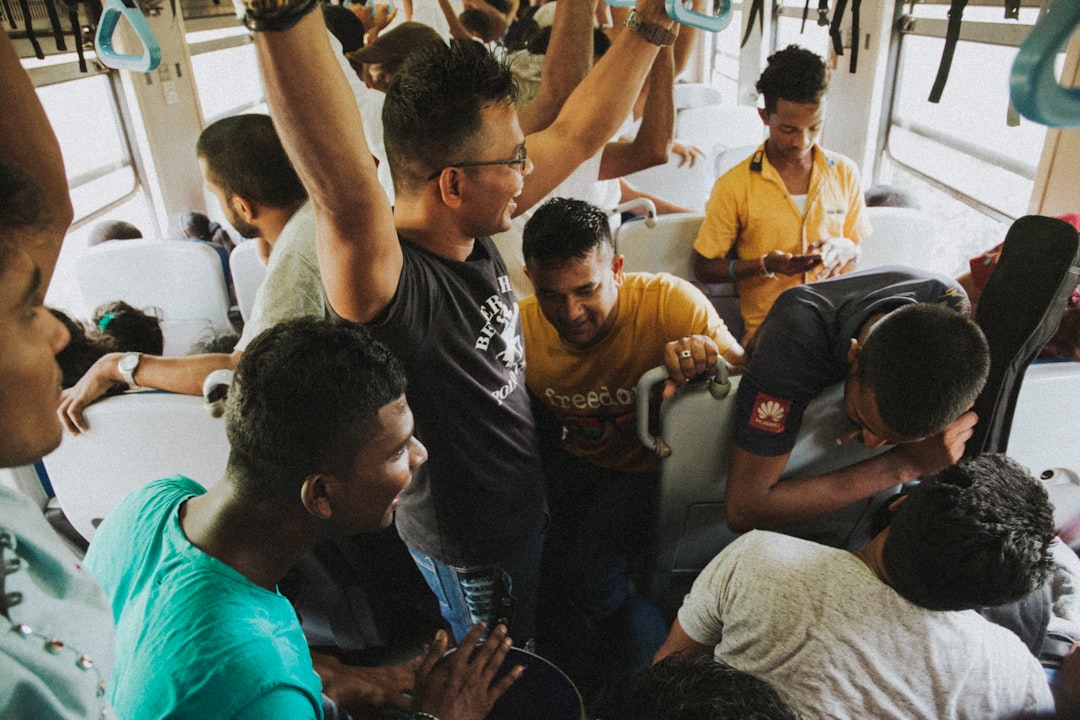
column 503, row 593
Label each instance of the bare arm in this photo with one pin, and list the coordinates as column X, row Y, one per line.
column 567, row 61
column 678, row 642
column 652, row 143
column 722, row 269
column 457, row 30
column 27, row 142
column 359, row 689
column 183, row 375
column 359, row 255
column 663, row 207
column 757, row 499
column 595, row 109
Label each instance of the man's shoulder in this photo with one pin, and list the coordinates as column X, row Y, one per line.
column 834, row 160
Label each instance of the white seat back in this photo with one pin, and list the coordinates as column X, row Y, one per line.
column 248, row 272
column 182, row 278
column 665, row 247
column 714, row 128
column 732, row 156
column 134, row 438
column 1045, row 426
column 902, row 236
column 695, row 95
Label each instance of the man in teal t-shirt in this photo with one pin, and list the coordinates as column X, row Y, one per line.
column 320, row 433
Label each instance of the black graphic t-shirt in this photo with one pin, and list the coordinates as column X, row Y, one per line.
column 457, row 328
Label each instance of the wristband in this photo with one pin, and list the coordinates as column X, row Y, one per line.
column 764, row 270
column 420, row 715
column 731, row 271
column 275, row 15
column 652, row 32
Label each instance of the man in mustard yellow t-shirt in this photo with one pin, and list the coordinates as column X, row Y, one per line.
column 792, row 212
column 590, row 332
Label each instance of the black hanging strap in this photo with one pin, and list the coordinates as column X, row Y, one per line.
column 854, row 35
column 823, row 13
column 25, row 6
column 952, row 34
column 756, row 10
column 834, row 27
column 76, row 30
column 54, row 20
column 805, row 14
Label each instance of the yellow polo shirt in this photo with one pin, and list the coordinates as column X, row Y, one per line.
column 751, row 210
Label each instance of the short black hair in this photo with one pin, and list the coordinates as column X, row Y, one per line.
column 794, row 74
column 123, row 328
column 304, row 399
column 976, row 534
column 245, row 157
column 695, row 688
column 925, row 364
column 563, row 229
column 431, row 115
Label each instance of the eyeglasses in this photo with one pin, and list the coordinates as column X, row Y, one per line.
column 519, row 159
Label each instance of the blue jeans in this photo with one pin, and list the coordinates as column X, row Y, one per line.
column 503, row 593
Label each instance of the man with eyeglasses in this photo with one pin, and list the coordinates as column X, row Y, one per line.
column 430, row 284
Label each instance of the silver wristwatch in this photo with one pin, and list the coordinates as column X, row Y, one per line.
column 650, row 31
column 127, row 366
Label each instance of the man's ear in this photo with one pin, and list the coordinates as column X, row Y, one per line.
column 246, row 208
column 764, row 115
column 853, row 353
column 616, row 268
column 315, row 496
column 451, row 186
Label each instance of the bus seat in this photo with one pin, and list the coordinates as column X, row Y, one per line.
column 667, row 247
column 716, row 127
column 692, row 529
column 664, row 247
column 248, row 272
column 732, row 156
column 1045, row 421
column 26, row 481
column 134, row 438
column 685, row 186
column 901, row 236
column 688, row 95
column 181, row 278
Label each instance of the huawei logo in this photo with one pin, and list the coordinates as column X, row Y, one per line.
column 770, row 411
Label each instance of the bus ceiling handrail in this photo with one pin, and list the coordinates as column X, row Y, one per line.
column 1033, row 88
column 112, row 11
column 677, row 10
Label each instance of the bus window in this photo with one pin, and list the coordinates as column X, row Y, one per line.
column 962, row 149
column 225, row 53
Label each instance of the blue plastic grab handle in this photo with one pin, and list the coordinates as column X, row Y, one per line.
column 684, row 15
column 1033, row 89
column 103, row 40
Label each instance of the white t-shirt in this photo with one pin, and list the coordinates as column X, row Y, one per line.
column 836, row 642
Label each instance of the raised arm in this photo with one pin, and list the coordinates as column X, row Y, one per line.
column 567, row 61
column 457, row 30
column 317, row 118
column 652, row 142
column 27, row 143
column 595, row 109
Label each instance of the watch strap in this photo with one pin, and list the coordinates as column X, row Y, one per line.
column 652, row 32
column 127, row 366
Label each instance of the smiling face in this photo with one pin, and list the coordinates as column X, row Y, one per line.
column 491, row 190
column 580, row 297
column 30, row 337
column 364, row 499
column 793, row 129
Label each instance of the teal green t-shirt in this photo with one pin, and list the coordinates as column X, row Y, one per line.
column 194, row 638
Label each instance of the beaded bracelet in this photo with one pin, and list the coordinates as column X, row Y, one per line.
column 259, row 17
column 420, row 714
column 731, row 271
